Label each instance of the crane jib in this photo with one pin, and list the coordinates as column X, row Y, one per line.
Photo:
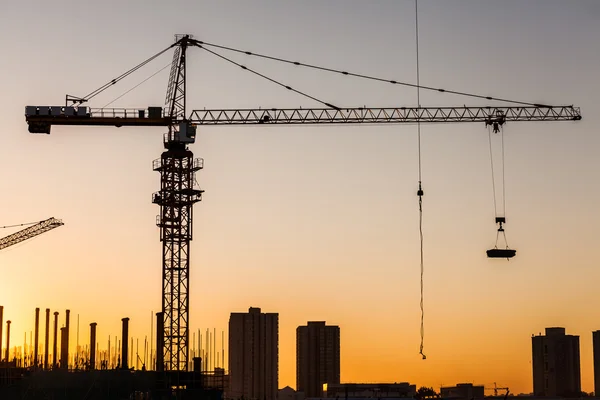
column 41, row 118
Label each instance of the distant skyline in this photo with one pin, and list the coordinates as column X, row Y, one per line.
column 316, row 223
column 307, row 337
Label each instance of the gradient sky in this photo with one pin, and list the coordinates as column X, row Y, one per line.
column 316, row 223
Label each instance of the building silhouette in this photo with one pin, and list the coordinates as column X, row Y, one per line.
column 466, row 391
column 317, row 357
column 596, row 344
column 556, row 366
column 287, row 393
column 370, row 390
column 253, row 355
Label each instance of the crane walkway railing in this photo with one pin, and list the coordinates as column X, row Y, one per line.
column 149, row 112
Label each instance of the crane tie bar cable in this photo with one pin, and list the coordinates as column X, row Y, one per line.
column 125, row 74
column 201, row 44
column 269, row 79
column 138, row 85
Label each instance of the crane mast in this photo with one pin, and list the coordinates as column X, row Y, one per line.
column 177, row 165
column 30, row 232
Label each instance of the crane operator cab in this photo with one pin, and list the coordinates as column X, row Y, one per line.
column 186, row 133
column 501, row 253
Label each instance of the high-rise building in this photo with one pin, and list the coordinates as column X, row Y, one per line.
column 596, row 343
column 556, row 367
column 317, row 357
column 253, row 355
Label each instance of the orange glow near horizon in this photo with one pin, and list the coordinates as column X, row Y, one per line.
column 368, row 355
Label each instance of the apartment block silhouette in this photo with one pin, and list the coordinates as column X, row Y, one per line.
column 556, row 365
column 317, row 357
column 253, row 355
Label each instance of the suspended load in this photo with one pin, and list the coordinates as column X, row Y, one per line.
column 496, row 252
column 501, row 253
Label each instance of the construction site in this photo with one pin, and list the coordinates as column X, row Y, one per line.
column 175, row 362
column 118, row 371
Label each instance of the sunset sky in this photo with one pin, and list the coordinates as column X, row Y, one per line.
column 315, row 223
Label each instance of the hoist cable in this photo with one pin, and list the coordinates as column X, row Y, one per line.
column 503, row 182
column 503, row 178
column 139, row 84
column 502, row 160
column 422, row 271
column 420, row 191
column 357, row 75
column 269, row 79
column 418, row 88
column 492, row 169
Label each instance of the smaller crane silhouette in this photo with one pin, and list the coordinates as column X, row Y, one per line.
column 496, row 388
column 35, row 229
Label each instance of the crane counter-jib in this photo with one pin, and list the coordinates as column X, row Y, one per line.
column 41, row 118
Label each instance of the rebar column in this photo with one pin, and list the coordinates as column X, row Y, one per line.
column 36, row 337
column 64, row 339
column 160, row 341
column 7, row 341
column 1, row 324
column 125, row 343
column 55, row 345
column 47, row 339
column 63, row 348
column 93, row 345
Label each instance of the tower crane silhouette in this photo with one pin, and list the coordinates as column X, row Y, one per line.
column 177, row 165
column 496, row 389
